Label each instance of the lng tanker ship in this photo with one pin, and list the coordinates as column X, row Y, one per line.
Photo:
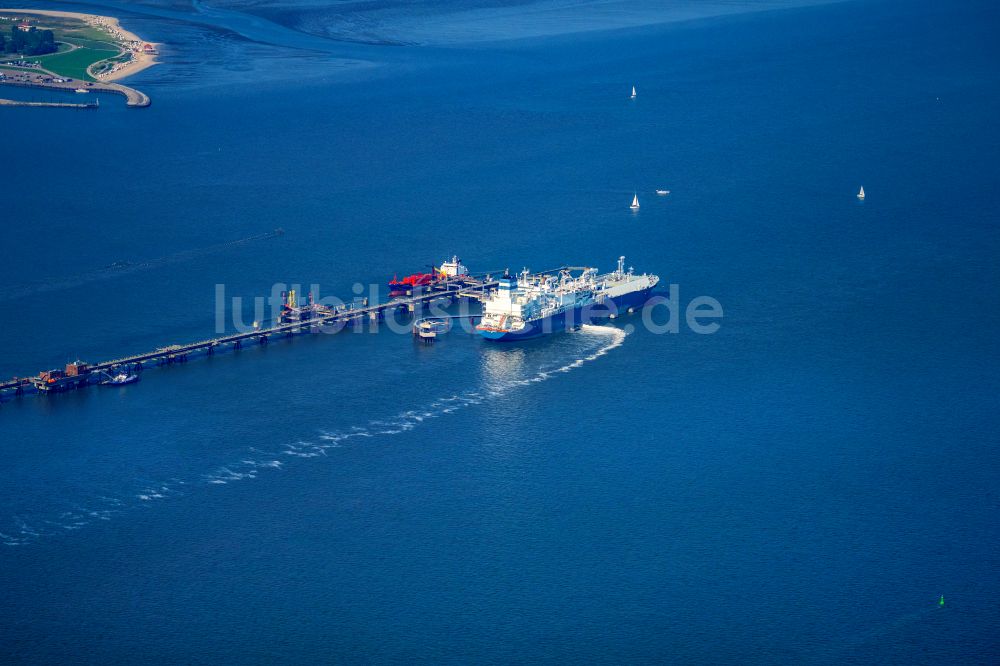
column 621, row 290
column 528, row 306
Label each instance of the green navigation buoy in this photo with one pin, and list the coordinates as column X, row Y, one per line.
column 941, row 601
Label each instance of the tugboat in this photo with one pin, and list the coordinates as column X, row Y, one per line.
column 120, row 379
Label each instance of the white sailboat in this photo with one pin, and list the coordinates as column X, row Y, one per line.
column 635, row 201
column 861, row 193
column 633, row 92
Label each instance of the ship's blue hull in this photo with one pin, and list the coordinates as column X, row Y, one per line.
column 635, row 300
column 572, row 318
column 538, row 327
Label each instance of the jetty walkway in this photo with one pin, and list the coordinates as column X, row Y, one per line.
column 79, row 374
column 54, row 105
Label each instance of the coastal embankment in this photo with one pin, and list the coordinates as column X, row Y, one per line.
column 133, row 98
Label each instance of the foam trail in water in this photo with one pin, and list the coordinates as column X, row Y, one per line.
column 104, row 507
column 410, row 419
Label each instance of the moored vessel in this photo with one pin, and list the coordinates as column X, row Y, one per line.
column 528, row 306
column 449, row 270
column 452, row 269
column 410, row 282
column 622, row 290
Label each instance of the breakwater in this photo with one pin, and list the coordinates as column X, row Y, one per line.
column 133, row 98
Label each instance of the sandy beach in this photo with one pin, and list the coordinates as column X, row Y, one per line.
column 140, row 59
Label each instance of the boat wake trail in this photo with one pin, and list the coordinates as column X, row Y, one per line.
column 410, row 419
column 888, row 633
column 585, row 346
column 120, row 268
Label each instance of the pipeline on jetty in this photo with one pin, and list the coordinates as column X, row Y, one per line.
column 80, row 374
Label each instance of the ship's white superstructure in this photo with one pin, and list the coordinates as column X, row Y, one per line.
column 532, row 305
column 523, row 304
column 622, row 287
column 453, row 268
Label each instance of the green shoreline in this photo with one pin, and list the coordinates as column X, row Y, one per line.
column 89, row 45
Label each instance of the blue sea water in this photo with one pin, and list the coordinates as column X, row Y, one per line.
column 799, row 487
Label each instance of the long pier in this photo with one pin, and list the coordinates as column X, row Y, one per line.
column 87, row 374
column 53, row 105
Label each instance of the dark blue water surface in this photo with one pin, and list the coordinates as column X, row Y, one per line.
column 799, row 487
